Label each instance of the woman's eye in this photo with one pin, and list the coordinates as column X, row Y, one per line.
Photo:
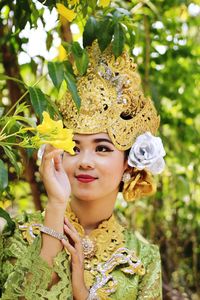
column 76, row 149
column 103, row 149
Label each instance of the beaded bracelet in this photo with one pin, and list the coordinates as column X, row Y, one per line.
column 52, row 232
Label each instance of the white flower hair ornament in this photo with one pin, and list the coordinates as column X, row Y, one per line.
column 147, row 153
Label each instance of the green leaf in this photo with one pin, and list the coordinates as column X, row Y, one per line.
column 52, row 108
column 82, row 62
column 104, row 33
column 38, row 101
column 3, row 177
column 92, row 4
column 56, row 72
column 119, row 40
column 10, row 227
column 20, row 108
column 81, row 58
column 49, row 40
column 71, row 84
column 8, row 151
column 76, row 49
column 69, row 68
column 90, row 31
column 28, row 121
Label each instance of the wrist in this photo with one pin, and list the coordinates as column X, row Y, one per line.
column 56, row 207
column 57, row 200
column 84, row 294
column 54, row 217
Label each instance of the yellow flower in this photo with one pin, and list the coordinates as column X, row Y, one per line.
column 52, row 132
column 66, row 13
column 104, row 3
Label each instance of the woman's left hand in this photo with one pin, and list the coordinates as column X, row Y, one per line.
column 74, row 247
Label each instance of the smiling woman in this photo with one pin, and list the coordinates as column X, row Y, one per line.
column 95, row 171
column 77, row 249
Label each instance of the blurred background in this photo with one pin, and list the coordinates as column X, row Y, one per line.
column 164, row 39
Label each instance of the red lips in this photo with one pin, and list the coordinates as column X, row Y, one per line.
column 85, row 178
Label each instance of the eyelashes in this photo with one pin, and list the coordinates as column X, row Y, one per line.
column 99, row 148
column 102, row 148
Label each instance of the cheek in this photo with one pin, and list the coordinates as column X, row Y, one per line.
column 68, row 165
column 115, row 168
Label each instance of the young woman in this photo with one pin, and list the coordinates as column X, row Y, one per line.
column 78, row 250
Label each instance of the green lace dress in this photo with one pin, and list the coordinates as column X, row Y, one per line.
column 131, row 265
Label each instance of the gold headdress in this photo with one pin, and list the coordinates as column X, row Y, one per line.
column 111, row 100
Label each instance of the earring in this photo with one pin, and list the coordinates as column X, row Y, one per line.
column 126, row 177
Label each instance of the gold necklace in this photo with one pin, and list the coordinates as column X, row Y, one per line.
column 99, row 245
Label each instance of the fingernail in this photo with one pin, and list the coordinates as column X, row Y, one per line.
column 41, row 151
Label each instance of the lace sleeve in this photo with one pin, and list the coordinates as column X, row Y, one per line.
column 25, row 275
column 150, row 286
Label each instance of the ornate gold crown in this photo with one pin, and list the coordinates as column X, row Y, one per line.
column 111, row 100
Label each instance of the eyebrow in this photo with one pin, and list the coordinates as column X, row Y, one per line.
column 96, row 141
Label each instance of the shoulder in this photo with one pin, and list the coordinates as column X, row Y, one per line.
column 143, row 248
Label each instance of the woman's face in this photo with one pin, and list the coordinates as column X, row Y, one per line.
column 96, row 169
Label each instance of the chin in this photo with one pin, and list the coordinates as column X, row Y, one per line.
column 84, row 196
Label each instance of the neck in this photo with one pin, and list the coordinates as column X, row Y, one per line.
column 91, row 213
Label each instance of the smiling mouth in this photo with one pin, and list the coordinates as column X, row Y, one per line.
column 85, row 178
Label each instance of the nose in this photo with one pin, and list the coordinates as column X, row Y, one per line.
column 86, row 161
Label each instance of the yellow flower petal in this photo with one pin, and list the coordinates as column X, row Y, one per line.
column 52, row 132
column 48, row 125
column 60, row 144
column 104, row 3
column 66, row 13
column 62, row 54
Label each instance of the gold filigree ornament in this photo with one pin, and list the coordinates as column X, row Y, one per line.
column 102, row 242
column 111, row 100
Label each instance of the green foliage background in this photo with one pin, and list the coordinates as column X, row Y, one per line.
column 164, row 39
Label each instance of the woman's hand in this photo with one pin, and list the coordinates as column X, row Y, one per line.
column 54, row 177
column 74, row 247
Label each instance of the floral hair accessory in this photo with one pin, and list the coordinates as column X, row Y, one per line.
column 147, row 153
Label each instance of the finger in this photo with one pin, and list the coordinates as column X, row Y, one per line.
column 49, row 155
column 76, row 239
column 74, row 235
column 40, row 152
column 69, row 224
column 58, row 161
column 48, row 159
column 72, row 251
column 69, row 247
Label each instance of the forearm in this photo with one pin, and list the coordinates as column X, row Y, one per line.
column 54, row 218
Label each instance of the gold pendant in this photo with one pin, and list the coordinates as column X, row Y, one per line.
column 89, row 247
